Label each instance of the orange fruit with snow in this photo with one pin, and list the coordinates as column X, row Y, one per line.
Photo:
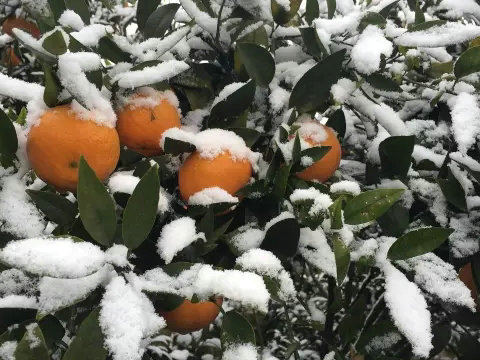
column 466, row 276
column 19, row 23
column 189, row 317
column 60, row 137
column 144, row 117
column 316, row 134
column 221, row 160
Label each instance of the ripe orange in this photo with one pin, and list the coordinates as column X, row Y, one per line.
column 189, row 317
column 9, row 58
column 20, row 23
column 466, row 275
column 324, row 168
column 140, row 126
column 55, row 145
column 198, row 173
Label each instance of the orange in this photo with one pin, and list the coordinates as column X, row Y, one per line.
column 20, row 23
column 466, row 275
column 9, row 58
column 55, row 145
column 324, row 168
column 198, row 173
column 189, row 317
column 141, row 127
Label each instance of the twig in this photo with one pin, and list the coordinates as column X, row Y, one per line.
column 290, row 332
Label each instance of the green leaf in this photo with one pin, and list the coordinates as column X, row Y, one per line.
column 315, row 153
column 372, row 18
column 396, row 155
column 312, row 11
column 141, row 211
column 332, row 6
column 52, row 87
column 160, row 20
column 55, row 207
column 165, row 301
column 418, row 242
column 97, row 209
column 395, row 221
column 453, row 191
column 55, row 43
column 177, row 147
column 88, row 341
column 336, row 121
column 282, row 16
column 312, row 91
column 335, row 211
column 144, row 9
column 382, row 82
column 280, row 182
column 297, row 149
column 353, row 321
column 109, row 50
column 370, row 205
column 427, row 25
column 442, row 332
column 175, row 269
column 386, row 10
column 8, row 136
column 57, row 7
column 258, row 62
column 342, row 258
column 80, row 7
column 52, row 329
column 11, row 316
column 380, row 328
column 236, row 329
column 312, row 42
column 32, row 346
column 468, row 63
column 419, row 15
column 250, row 136
column 282, row 238
column 234, row 104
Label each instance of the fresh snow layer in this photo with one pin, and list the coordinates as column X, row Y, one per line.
column 240, row 352
column 465, row 120
column 211, row 195
column 367, row 51
column 313, row 246
column 55, row 257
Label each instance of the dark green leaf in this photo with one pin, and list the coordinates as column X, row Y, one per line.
column 97, row 209
column 396, row 155
column 144, row 9
column 353, row 321
column 386, row 10
column 312, row 42
column 337, row 122
column 297, row 149
column 55, row 207
column 8, row 136
column 175, row 269
column 381, row 328
column 312, row 91
column 419, row 15
column 236, row 329
column 332, row 6
column 468, row 63
column 370, row 205
column 282, row 238
column 109, row 50
column 177, row 147
column 11, row 316
column 427, row 25
column 453, row 191
column 234, row 104
column 145, row 64
column 335, row 211
column 250, row 136
column 381, row 82
column 26, row 350
column 57, row 7
column 96, row 78
column 372, row 18
column 418, row 242
column 160, row 20
column 258, row 62
column 280, row 15
column 442, row 332
column 80, row 7
column 165, row 301
column 315, row 153
column 52, row 87
column 280, row 182
column 312, row 10
column 52, row 330
column 141, row 210
column 395, row 221
column 342, row 258
column 55, row 43
column 88, row 342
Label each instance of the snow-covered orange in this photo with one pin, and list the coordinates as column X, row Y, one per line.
column 317, row 134
column 144, row 118
column 60, row 137
column 19, row 23
column 189, row 317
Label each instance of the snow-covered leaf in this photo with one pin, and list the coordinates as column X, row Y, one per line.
column 236, row 329
column 32, row 346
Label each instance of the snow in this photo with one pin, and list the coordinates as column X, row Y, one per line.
column 314, row 248
column 408, row 309
column 346, row 186
column 46, row 256
column 465, row 120
column 321, row 202
column 7, row 350
column 211, row 195
column 240, row 352
column 370, row 46
column 226, row 92
column 339, row 24
column 70, row 18
column 432, row 193
column 71, row 71
column 175, row 236
column 449, row 34
column 18, row 301
column 5, row 39
column 248, row 238
column 152, row 74
column 127, row 317
column 117, row 255
column 31, row 336
column 204, row 20
column 15, row 282
column 30, row 41
column 90, row 35
column 457, row 9
column 18, row 215
column 19, row 89
column 342, row 90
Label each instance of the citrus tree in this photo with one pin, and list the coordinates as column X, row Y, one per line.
column 222, row 179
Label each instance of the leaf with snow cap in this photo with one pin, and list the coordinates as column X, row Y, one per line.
column 258, row 61
column 283, row 16
column 312, row 42
column 453, row 191
column 141, row 210
column 160, row 20
column 312, row 10
column 370, row 205
column 332, row 6
column 80, row 7
column 97, row 209
column 468, row 63
column 372, row 18
column 55, row 43
column 108, row 49
column 382, row 82
column 88, row 340
column 57, row 7
column 32, row 346
column 250, row 136
column 236, row 329
column 314, row 154
column 176, row 147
